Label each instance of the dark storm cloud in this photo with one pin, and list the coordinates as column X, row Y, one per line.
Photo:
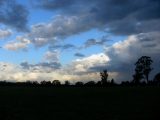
column 13, row 14
column 116, row 16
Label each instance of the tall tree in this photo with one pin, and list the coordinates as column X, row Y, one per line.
column 104, row 76
column 143, row 68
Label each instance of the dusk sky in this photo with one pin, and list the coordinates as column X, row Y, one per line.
column 76, row 39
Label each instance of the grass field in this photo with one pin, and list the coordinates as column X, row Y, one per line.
column 113, row 103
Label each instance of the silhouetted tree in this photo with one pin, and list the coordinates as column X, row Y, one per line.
column 143, row 68
column 112, row 82
column 137, row 76
column 46, row 83
column 99, row 83
column 90, row 83
column 125, row 83
column 35, row 83
column 157, row 79
column 79, row 83
column 31, row 83
column 104, row 76
column 56, row 82
column 66, row 83
column 43, row 82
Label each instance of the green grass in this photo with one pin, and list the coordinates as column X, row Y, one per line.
column 113, row 103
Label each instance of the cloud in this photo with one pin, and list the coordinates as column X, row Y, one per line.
column 39, row 42
column 91, row 42
column 50, row 63
column 57, row 29
column 79, row 55
column 42, row 67
column 13, row 46
column 117, row 17
column 4, row 33
column 16, row 73
column 83, row 65
column 21, row 43
column 62, row 47
column 69, row 5
column 52, row 56
column 13, row 15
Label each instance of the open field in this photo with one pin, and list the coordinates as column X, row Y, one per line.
column 113, row 103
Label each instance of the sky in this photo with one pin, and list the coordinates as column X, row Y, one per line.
column 76, row 39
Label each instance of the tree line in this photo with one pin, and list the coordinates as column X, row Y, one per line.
column 140, row 78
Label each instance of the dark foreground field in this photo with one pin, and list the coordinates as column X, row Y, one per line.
column 115, row 103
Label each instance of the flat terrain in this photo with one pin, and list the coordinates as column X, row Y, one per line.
column 113, row 103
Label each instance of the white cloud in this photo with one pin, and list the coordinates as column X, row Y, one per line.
column 21, row 43
column 16, row 73
column 52, row 56
column 40, row 41
column 4, row 33
column 82, row 66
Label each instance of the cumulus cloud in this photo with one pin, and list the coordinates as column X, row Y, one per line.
column 4, row 33
column 13, row 14
column 21, row 43
column 83, row 65
column 13, row 46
